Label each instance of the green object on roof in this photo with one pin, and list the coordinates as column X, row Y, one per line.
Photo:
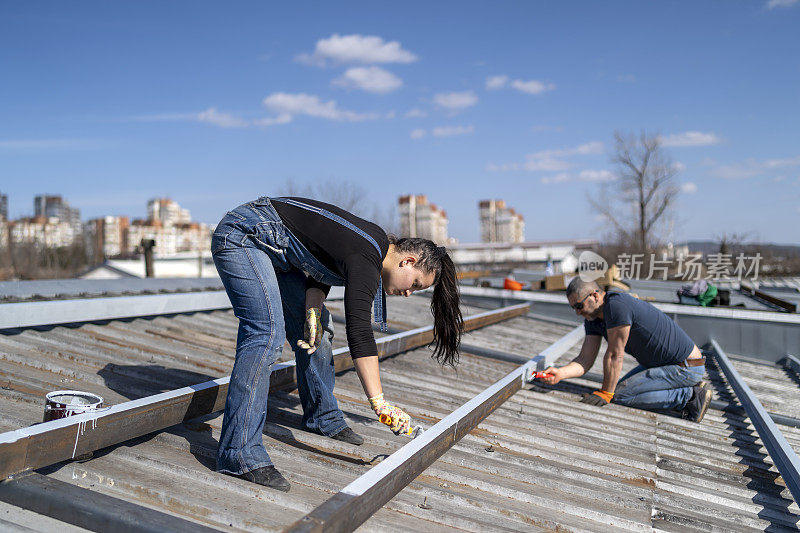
column 709, row 295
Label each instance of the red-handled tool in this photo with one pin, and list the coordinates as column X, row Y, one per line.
column 540, row 374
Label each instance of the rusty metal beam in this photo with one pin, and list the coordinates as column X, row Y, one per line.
column 90, row 509
column 354, row 504
column 44, row 444
column 774, row 300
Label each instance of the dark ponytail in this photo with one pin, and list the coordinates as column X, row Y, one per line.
column 448, row 324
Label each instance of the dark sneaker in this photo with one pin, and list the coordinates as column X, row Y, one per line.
column 697, row 406
column 267, row 476
column 349, row 436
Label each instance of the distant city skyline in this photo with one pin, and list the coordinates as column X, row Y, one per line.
column 113, row 104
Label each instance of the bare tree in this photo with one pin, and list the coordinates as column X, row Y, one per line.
column 638, row 203
column 731, row 242
column 346, row 194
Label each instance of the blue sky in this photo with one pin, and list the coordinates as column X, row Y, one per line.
column 212, row 104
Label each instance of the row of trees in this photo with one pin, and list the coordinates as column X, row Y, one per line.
column 30, row 261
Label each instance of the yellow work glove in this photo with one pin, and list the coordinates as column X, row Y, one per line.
column 312, row 330
column 394, row 417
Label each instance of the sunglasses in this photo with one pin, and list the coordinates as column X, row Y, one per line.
column 578, row 306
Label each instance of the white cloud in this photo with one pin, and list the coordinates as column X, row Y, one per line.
column 442, row 131
column 782, row 163
column 532, row 86
column 690, row 138
column 596, row 175
column 545, row 164
column 357, row 49
column 291, row 105
column 587, row 175
column 746, row 169
column 496, row 82
column 750, row 168
column 209, row 116
column 456, row 101
column 284, row 118
column 551, row 160
column 223, row 120
column 689, row 187
column 370, row 79
column 415, row 113
column 450, row 131
column 772, row 4
column 678, row 166
column 558, row 178
column 590, row 148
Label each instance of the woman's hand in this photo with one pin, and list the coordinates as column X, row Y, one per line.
column 394, row 417
column 312, row 330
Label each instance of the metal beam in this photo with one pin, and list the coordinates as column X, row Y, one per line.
column 359, row 500
column 669, row 308
column 791, row 362
column 791, row 307
column 90, row 509
column 52, row 312
column 48, row 443
column 783, row 456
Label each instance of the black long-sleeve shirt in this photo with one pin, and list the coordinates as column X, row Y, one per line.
column 348, row 254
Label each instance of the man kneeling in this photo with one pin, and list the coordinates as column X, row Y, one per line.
column 670, row 369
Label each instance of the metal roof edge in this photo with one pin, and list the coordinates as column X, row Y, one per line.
column 31, row 314
column 734, row 314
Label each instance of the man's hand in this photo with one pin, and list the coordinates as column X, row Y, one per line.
column 598, row 398
column 312, row 330
column 556, row 375
column 394, row 417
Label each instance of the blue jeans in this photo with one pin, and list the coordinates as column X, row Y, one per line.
column 659, row 387
column 263, row 268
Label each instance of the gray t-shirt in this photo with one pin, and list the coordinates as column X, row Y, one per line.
column 654, row 340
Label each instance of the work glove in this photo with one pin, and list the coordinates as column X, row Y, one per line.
column 598, row 398
column 312, row 330
column 394, row 417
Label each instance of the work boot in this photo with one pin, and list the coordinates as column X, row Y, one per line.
column 267, row 476
column 697, row 405
column 349, row 436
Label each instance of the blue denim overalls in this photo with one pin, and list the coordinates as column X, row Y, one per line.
column 263, row 267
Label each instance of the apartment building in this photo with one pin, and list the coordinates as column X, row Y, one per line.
column 500, row 223
column 420, row 218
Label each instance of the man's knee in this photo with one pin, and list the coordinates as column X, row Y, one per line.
column 622, row 393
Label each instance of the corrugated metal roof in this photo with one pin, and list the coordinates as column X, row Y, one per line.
column 71, row 288
column 542, row 460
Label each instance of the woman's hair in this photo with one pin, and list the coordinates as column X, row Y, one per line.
column 448, row 324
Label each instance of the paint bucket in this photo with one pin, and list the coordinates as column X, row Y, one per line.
column 64, row 403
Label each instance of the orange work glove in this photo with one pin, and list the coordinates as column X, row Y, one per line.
column 598, row 397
